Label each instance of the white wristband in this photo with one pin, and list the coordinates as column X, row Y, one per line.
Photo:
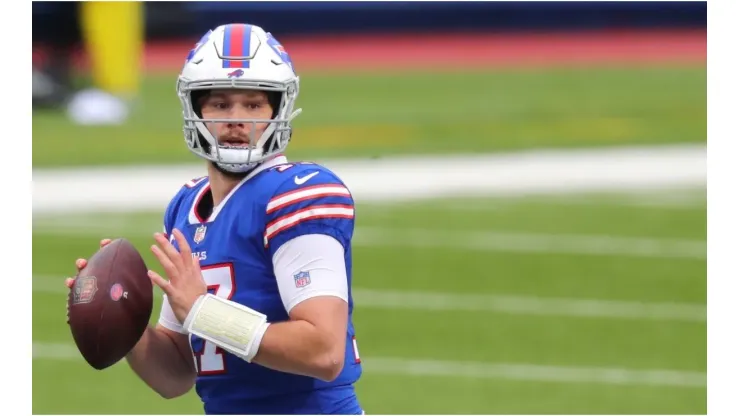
column 232, row 326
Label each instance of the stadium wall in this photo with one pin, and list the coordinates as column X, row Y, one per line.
column 188, row 19
column 352, row 17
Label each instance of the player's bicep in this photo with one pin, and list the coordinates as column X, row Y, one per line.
column 327, row 313
column 310, row 266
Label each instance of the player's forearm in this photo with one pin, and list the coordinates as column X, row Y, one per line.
column 158, row 361
column 299, row 347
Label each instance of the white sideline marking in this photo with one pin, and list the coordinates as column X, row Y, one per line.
column 516, row 305
column 401, row 178
column 481, row 370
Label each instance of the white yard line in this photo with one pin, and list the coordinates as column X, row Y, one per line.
column 538, row 373
column 476, row 370
column 675, row 200
column 604, row 245
column 515, row 305
column 529, row 305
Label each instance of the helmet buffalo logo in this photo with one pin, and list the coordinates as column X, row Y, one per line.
column 235, row 73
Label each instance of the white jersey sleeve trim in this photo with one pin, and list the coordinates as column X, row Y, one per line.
column 167, row 317
column 308, row 266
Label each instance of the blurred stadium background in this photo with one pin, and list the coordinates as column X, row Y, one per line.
column 530, row 181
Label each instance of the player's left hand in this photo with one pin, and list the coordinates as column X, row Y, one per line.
column 185, row 282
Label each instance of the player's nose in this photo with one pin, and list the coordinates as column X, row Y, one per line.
column 238, row 114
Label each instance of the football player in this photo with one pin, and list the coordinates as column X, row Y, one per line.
column 257, row 255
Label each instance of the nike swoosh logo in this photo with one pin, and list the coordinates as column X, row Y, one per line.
column 301, row 181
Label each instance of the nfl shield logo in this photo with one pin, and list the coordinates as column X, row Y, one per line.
column 200, row 234
column 302, row 279
column 116, row 292
column 84, row 289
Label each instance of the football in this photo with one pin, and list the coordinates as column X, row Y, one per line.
column 110, row 304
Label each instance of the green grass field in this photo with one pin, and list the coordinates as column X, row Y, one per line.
column 420, row 113
column 399, row 266
column 592, row 304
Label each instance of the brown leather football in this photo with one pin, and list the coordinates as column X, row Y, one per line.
column 110, row 304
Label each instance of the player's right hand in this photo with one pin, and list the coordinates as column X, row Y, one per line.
column 81, row 263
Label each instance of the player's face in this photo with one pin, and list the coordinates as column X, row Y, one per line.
column 239, row 104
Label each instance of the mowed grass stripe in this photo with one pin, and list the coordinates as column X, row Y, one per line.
column 605, row 245
column 516, row 305
column 506, row 371
column 489, row 241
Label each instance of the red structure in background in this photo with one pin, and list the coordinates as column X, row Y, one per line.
column 390, row 51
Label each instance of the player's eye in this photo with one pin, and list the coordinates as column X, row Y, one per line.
column 217, row 104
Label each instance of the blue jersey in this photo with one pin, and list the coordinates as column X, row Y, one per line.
column 235, row 245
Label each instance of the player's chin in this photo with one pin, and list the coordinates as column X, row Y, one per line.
column 229, row 174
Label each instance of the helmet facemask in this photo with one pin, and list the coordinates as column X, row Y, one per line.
column 235, row 159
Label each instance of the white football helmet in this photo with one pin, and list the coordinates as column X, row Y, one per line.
column 238, row 56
